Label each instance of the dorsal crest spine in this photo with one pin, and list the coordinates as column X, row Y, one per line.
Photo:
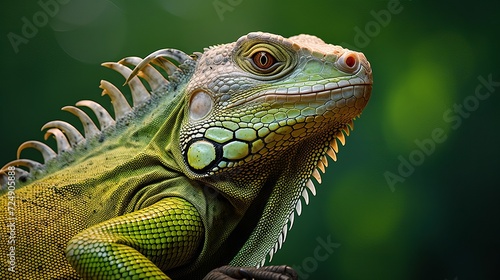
column 174, row 63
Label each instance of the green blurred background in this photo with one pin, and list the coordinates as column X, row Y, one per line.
column 414, row 194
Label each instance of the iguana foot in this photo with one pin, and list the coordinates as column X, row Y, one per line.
column 282, row 272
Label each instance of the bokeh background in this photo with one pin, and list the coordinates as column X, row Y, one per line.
column 415, row 192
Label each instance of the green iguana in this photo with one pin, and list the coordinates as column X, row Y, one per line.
column 202, row 176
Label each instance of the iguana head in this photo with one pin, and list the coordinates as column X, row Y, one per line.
column 259, row 97
column 262, row 115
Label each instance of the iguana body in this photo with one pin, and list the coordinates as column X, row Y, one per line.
column 206, row 170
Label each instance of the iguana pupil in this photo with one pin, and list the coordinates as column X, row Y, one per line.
column 263, row 60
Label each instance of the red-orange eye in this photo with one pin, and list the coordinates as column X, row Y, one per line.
column 263, row 60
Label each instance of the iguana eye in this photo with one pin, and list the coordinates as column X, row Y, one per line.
column 263, row 60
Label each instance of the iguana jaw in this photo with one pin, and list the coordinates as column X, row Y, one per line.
column 266, row 119
column 293, row 186
column 323, row 92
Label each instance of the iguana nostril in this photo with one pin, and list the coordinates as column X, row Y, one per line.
column 348, row 62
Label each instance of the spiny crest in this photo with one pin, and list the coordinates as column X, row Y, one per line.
column 131, row 68
column 331, row 150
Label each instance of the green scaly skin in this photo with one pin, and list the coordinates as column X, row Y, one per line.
column 207, row 168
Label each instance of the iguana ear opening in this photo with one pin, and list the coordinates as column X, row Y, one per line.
column 200, row 105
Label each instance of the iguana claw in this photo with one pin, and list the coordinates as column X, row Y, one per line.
column 282, row 272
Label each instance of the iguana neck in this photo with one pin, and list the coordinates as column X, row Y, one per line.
column 266, row 200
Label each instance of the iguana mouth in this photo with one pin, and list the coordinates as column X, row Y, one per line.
column 318, row 93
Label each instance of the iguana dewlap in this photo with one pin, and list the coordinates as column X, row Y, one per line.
column 208, row 167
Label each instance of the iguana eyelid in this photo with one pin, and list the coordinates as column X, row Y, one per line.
column 285, row 59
